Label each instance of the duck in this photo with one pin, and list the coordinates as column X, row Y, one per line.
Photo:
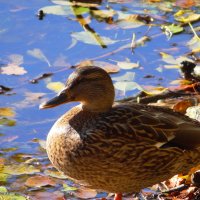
column 117, row 147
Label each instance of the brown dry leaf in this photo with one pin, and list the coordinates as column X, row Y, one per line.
column 7, row 112
column 185, row 3
column 39, row 181
column 13, row 69
column 182, row 106
column 46, row 196
column 85, row 193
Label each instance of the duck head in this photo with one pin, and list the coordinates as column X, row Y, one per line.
column 91, row 86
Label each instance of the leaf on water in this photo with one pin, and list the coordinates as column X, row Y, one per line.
column 74, row 3
column 194, row 44
column 186, row 16
column 127, row 21
column 85, row 193
column 128, row 65
column 88, row 38
column 57, row 195
column 39, row 181
column 19, row 169
column 185, row 3
column 55, row 86
column 174, row 63
column 127, row 86
column 37, row 53
column 12, row 196
column 7, row 112
column 13, row 69
column 128, row 76
column 154, row 90
column 3, row 189
column 67, row 188
column 55, row 174
column 172, row 29
column 80, row 10
column 57, row 10
column 104, row 13
column 7, row 122
column 3, row 177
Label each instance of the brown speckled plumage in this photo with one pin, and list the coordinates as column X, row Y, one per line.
column 119, row 148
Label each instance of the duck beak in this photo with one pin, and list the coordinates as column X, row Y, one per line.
column 61, row 98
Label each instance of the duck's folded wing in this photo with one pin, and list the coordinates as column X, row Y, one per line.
column 158, row 126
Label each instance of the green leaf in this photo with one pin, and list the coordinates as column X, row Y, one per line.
column 172, row 29
column 7, row 122
column 3, row 189
column 67, row 188
column 80, row 10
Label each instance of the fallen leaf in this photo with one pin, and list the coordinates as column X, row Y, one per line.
column 3, row 189
column 193, row 112
column 7, row 112
column 13, row 69
column 67, row 188
column 37, row 53
column 128, row 65
column 55, row 86
column 39, row 181
column 55, row 174
column 85, row 193
column 89, row 38
column 57, row 195
column 185, row 3
column 182, row 106
column 19, row 169
column 128, row 76
column 172, row 29
column 11, row 196
column 186, row 16
column 7, row 122
column 127, row 86
column 4, row 89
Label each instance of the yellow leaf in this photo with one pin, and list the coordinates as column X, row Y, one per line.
column 55, row 86
column 7, row 112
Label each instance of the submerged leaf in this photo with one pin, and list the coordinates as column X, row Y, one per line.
column 7, row 122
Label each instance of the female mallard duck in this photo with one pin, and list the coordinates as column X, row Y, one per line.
column 121, row 147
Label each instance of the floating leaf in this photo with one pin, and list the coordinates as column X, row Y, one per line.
column 19, row 169
column 194, row 44
column 172, row 29
column 55, row 86
column 79, row 10
column 55, row 174
column 85, row 193
column 67, row 188
column 104, row 13
column 3, row 189
column 4, row 89
column 7, row 112
column 185, row 3
column 87, row 38
column 57, row 10
column 128, row 76
column 128, row 65
column 37, row 53
column 3, row 177
column 186, row 16
column 7, row 122
column 57, row 195
column 13, row 69
column 127, row 86
column 39, row 181
column 11, row 196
